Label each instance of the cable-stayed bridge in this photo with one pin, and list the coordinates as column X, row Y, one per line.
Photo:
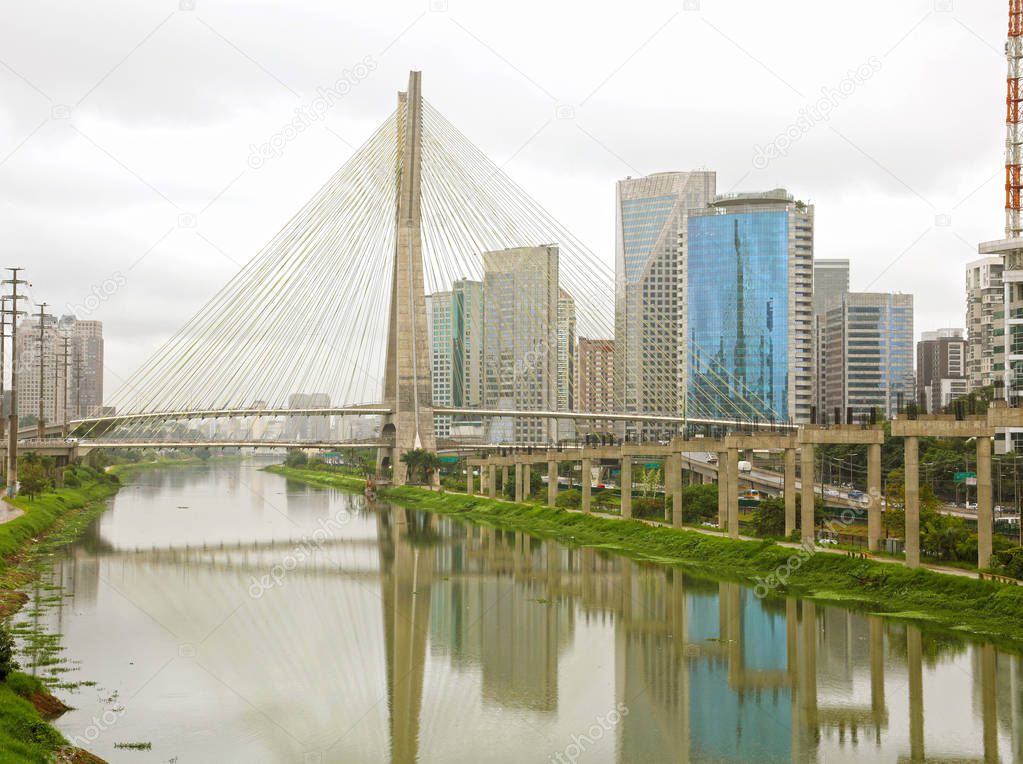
column 330, row 320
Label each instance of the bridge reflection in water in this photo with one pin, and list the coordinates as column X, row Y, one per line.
column 408, row 636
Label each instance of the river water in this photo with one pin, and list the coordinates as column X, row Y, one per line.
column 214, row 633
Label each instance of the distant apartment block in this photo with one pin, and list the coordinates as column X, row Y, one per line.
column 71, row 355
column 985, row 322
column 595, row 381
column 869, row 361
column 830, row 282
column 940, row 369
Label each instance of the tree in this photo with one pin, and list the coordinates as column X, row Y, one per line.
column 649, row 480
column 296, row 458
column 7, row 662
column 769, row 517
column 419, row 461
column 34, row 473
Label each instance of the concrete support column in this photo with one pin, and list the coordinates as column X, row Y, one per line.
column 733, row 493
column 806, row 481
column 790, row 491
column 985, row 514
column 492, row 480
column 586, row 480
column 674, row 467
column 469, row 483
column 914, row 666
column 912, row 501
column 874, row 494
column 504, row 477
column 723, row 490
column 626, row 486
column 527, row 481
column 552, row 483
column 519, row 466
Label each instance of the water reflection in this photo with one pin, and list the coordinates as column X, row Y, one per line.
column 409, row 637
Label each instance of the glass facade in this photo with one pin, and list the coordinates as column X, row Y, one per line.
column 643, row 222
column 738, row 306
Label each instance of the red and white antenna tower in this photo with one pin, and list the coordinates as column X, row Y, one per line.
column 1014, row 130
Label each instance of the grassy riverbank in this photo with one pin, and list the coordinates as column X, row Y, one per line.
column 985, row 608
column 51, row 519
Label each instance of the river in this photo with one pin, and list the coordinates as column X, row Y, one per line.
column 227, row 615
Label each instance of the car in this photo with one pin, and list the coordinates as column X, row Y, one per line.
column 827, row 542
column 857, row 495
column 709, row 524
column 831, row 492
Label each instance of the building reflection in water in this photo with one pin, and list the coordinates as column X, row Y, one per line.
column 707, row 671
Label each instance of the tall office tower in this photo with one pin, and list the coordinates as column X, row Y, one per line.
column 940, row 369
column 748, row 281
column 651, row 216
column 72, row 357
column 520, row 340
column 830, row 282
column 869, row 362
column 595, row 381
column 985, row 323
column 455, row 327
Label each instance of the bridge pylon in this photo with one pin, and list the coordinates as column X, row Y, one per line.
column 408, row 387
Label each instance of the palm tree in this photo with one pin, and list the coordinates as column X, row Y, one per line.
column 422, row 462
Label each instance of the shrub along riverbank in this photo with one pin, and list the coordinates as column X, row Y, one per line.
column 53, row 517
column 985, row 608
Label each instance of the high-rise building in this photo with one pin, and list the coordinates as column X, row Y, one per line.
column 651, row 216
column 869, row 361
column 566, row 351
column 748, row 285
column 455, row 327
column 595, row 381
column 985, row 322
column 520, row 344
column 72, row 359
column 940, row 369
column 830, row 282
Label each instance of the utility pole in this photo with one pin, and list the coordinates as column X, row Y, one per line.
column 12, row 432
column 3, row 340
column 41, row 424
column 67, row 379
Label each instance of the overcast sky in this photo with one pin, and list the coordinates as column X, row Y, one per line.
column 126, row 127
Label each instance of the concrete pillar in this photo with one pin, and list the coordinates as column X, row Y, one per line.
column 733, row 493
column 469, row 487
column 912, row 501
column 914, row 666
column 504, row 477
column 874, row 494
column 985, row 514
column 806, row 481
column 492, row 480
column 790, row 491
column 586, row 480
column 527, row 481
column 723, row 490
column 552, row 483
column 674, row 467
column 519, row 467
column 626, row 486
